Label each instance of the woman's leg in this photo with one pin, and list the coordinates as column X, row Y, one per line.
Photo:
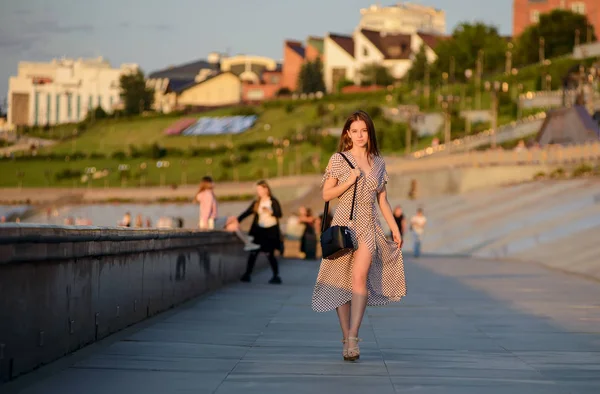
column 250, row 265
column 343, row 313
column 274, row 264
column 360, row 270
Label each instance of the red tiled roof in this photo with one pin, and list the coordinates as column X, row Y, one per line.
column 431, row 40
column 344, row 42
column 392, row 46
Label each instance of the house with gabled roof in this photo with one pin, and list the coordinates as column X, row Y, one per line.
column 215, row 82
column 345, row 56
column 339, row 64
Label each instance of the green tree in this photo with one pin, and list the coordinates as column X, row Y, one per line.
column 419, row 65
column 559, row 31
column 376, row 74
column 461, row 51
column 310, row 79
column 136, row 96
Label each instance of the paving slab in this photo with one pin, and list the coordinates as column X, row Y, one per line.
column 468, row 325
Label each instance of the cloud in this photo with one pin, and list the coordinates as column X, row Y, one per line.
column 34, row 35
column 146, row 26
column 159, row 27
column 53, row 27
column 14, row 43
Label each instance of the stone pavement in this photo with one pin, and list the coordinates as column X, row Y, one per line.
column 466, row 326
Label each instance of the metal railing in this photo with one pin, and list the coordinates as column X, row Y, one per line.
column 517, row 129
column 552, row 154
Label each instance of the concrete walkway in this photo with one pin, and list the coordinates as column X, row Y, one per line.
column 467, row 326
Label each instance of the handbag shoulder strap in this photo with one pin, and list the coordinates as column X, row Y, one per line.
column 355, row 183
column 326, row 210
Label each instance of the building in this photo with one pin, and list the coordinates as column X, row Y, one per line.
column 345, row 56
column 293, row 59
column 295, row 54
column 63, row 90
column 215, row 82
column 339, row 63
column 266, row 88
column 404, row 17
column 168, row 83
column 527, row 12
column 217, row 90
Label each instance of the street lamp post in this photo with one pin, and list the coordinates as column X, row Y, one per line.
column 495, row 89
column 468, row 75
column 409, row 132
column 478, row 80
column 447, row 102
column 20, row 176
column 427, row 85
column 183, row 172
column 542, row 50
column 143, row 168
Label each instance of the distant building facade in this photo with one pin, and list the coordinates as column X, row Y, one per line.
column 215, row 82
column 527, row 12
column 295, row 54
column 63, row 90
column 403, row 17
column 345, row 56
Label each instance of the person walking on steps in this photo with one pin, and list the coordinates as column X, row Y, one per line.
column 265, row 230
column 373, row 273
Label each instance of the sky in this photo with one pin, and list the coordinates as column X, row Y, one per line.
column 159, row 33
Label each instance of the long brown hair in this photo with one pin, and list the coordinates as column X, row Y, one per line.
column 345, row 140
column 264, row 184
column 205, row 184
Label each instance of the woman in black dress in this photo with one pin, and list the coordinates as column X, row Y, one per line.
column 265, row 229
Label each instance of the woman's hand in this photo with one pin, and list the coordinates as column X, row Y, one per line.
column 397, row 238
column 354, row 175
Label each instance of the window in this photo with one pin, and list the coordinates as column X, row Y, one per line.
column 578, row 8
column 78, row 107
column 365, row 51
column 535, row 16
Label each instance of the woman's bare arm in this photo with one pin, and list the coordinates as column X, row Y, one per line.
column 386, row 210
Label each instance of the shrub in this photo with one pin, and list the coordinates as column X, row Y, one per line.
column 67, row 173
column 581, row 170
column 557, row 173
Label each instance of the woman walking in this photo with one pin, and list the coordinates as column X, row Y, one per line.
column 265, row 230
column 208, row 204
column 373, row 274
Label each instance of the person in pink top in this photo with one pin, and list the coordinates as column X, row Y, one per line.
column 208, row 204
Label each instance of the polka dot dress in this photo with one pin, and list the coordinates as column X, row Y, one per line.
column 385, row 281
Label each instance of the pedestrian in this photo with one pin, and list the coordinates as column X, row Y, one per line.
column 208, row 204
column 308, row 242
column 417, row 226
column 373, row 273
column 126, row 221
column 400, row 221
column 264, row 230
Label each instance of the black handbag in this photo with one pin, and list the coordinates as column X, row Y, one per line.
column 336, row 240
